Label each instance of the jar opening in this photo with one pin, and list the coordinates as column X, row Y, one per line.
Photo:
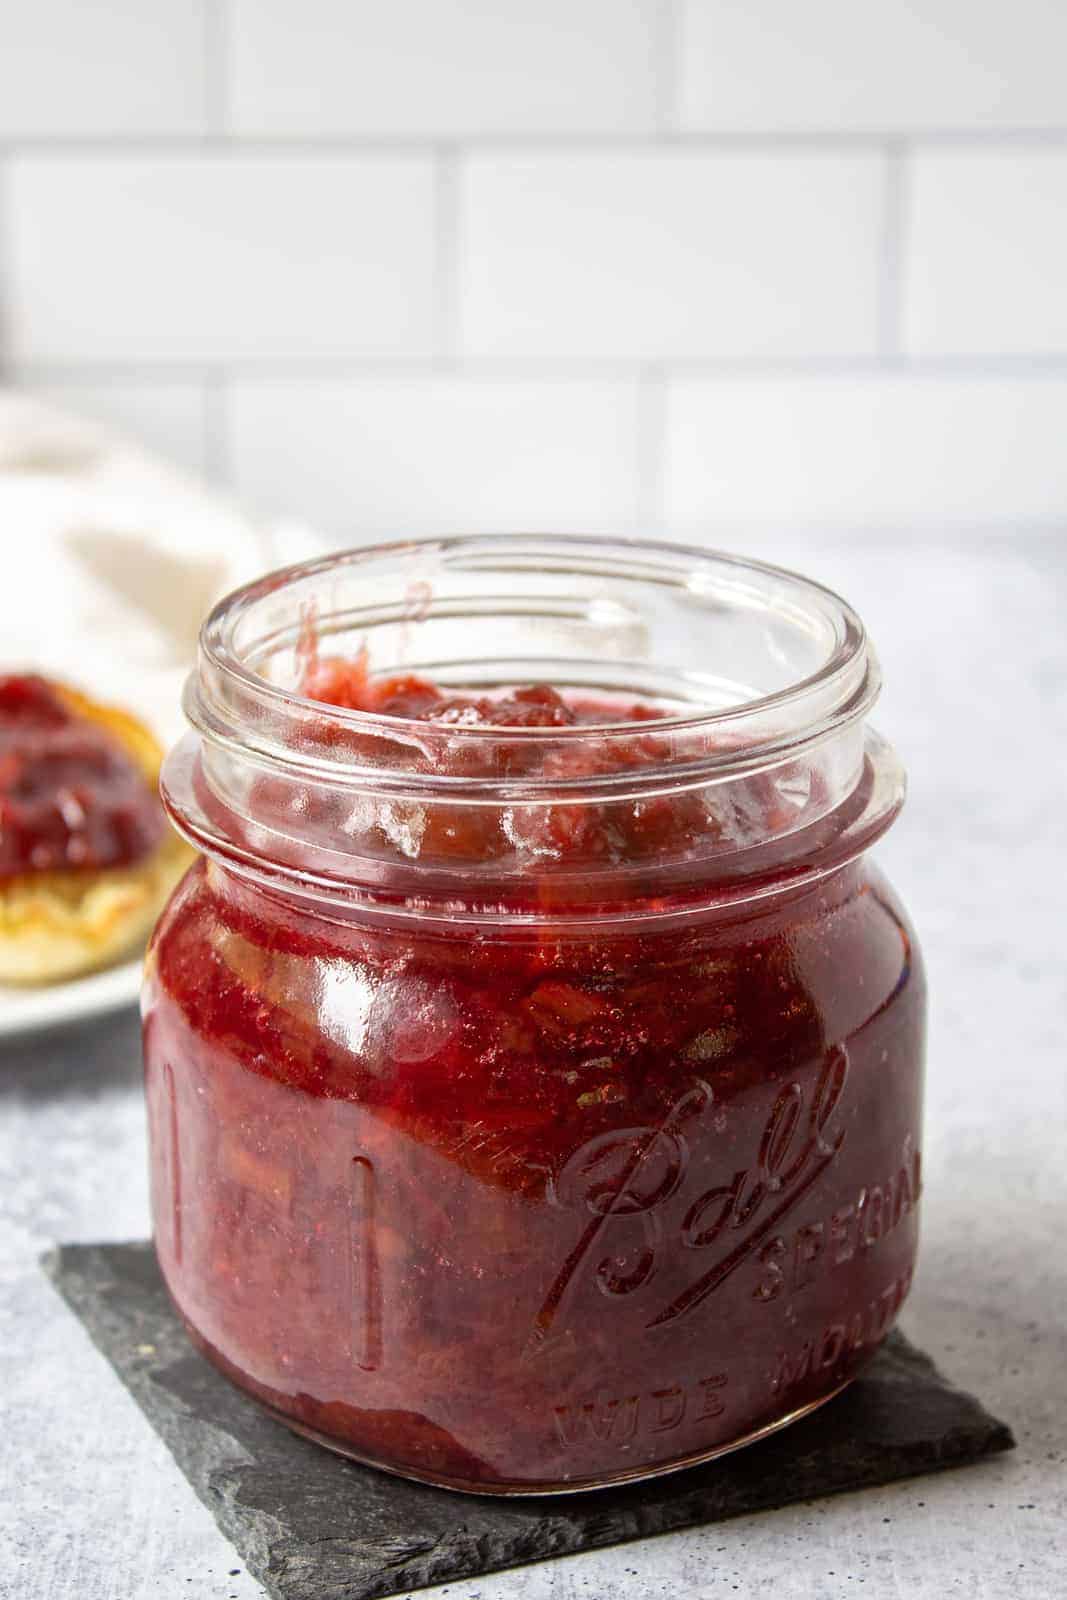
column 720, row 642
column 758, row 677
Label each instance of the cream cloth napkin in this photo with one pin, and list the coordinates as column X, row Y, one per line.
column 109, row 560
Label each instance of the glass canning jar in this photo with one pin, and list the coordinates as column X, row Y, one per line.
column 535, row 1107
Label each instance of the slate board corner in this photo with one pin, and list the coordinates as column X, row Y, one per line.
column 311, row 1526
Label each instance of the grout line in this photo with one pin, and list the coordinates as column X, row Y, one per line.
column 1039, row 368
column 217, row 69
column 666, row 57
column 446, row 264
column 893, row 250
column 651, row 447
column 214, row 145
column 801, row 142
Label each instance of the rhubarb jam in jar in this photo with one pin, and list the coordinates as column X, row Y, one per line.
column 533, row 1056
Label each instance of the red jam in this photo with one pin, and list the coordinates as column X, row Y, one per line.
column 541, row 1204
column 70, row 795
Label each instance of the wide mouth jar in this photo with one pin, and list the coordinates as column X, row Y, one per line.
column 533, row 1069
column 757, row 764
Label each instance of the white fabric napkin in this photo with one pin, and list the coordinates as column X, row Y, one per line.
column 109, row 560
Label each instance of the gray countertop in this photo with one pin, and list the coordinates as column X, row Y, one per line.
column 973, row 640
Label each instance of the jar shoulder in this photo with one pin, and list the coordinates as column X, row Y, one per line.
column 607, row 1016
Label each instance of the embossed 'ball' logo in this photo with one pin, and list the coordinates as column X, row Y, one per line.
column 623, row 1180
column 630, row 1173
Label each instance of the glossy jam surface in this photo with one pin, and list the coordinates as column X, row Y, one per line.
column 70, row 795
column 544, row 1205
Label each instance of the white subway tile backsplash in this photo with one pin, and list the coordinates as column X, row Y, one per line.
column 846, row 65
column 219, row 257
column 596, row 270
column 115, row 67
column 165, row 416
column 442, row 67
column 986, row 269
column 895, row 452
column 670, row 254
column 407, row 455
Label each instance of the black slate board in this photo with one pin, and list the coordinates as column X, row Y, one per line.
column 311, row 1526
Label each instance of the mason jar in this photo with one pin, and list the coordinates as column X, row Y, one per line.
column 533, row 1054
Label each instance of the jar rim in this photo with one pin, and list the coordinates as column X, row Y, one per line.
column 229, row 701
column 386, row 810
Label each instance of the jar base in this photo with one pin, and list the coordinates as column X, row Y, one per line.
column 587, row 1485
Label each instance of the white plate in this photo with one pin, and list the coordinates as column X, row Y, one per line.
column 25, row 1010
